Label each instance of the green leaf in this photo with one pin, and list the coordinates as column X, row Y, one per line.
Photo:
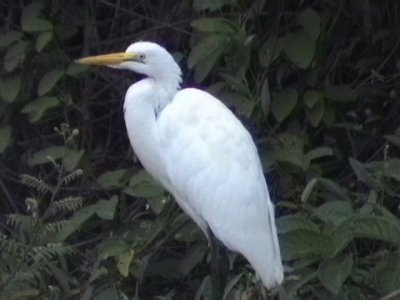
column 124, row 261
column 40, row 157
column 315, row 114
column 37, row 108
column 334, row 212
column 5, row 138
column 375, row 228
column 211, row 5
column 311, row 97
column 302, row 243
column 334, row 188
column 333, row 272
column 72, row 159
column 112, row 179
column 240, row 101
column 318, row 153
column 15, row 55
column 8, row 38
column 300, row 48
column 394, row 139
column 106, row 209
column 42, row 40
column 112, row 247
column 308, row 190
column 56, row 153
column 10, row 87
column 387, row 274
column 270, row 50
column 216, row 25
column 48, row 81
column 340, row 93
column 30, row 20
column 363, row 173
column 283, row 103
column 311, row 21
column 144, row 186
column 74, row 69
column 205, row 54
column 192, row 259
column 294, row 222
column 290, row 148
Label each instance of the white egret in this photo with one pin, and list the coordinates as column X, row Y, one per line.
column 201, row 153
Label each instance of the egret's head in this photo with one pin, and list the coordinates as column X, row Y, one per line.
column 145, row 58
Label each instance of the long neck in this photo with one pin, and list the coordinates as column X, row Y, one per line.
column 144, row 100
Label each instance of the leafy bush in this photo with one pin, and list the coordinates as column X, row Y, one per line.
column 315, row 82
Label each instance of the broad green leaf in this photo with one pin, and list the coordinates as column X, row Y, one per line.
column 294, row 222
column 10, row 87
column 38, row 107
column 283, row 103
column 333, row 272
column 41, row 157
column 48, row 81
column 143, row 185
column 15, row 55
column 363, row 173
column 300, row 48
column 341, row 235
column 5, row 138
column 106, row 208
column 308, row 190
column 334, row 212
column 240, row 101
column 318, row 153
column 31, row 21
column 205, row 54
column 108, row 294
column 42, row 40
column 211, row 5
column 216, row 25
column 315, row 114
column 391, row 168
column 302, row 243
column 112, row 179
column 56, row 153
column 394, row 139
column 310, row 20
column 124, row 261
column 72, row 159
column 192, row 259
column 112, row 247
column 311, row 97
column 375, row 228
column 74, row 69
column 334, row 188
column 340, row 93
column 270, row 50
column 387, row 274
column 289, row 148
column 8, row 38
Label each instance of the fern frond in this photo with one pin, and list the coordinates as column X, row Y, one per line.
column 35, row 183
column 59, row 226
column 24, row 222
column 68, row 204
column 51, row 250
column 71, row 176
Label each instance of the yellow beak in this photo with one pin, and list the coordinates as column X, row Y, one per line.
column 108, row 59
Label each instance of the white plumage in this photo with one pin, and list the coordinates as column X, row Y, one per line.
column 200, row 152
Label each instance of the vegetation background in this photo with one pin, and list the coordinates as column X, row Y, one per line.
column 317, row 84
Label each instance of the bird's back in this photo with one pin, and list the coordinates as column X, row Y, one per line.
column 215, row 174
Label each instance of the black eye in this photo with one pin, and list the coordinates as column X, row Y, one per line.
column 142, row 56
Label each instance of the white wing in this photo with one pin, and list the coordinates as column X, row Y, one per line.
column 215, row 174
